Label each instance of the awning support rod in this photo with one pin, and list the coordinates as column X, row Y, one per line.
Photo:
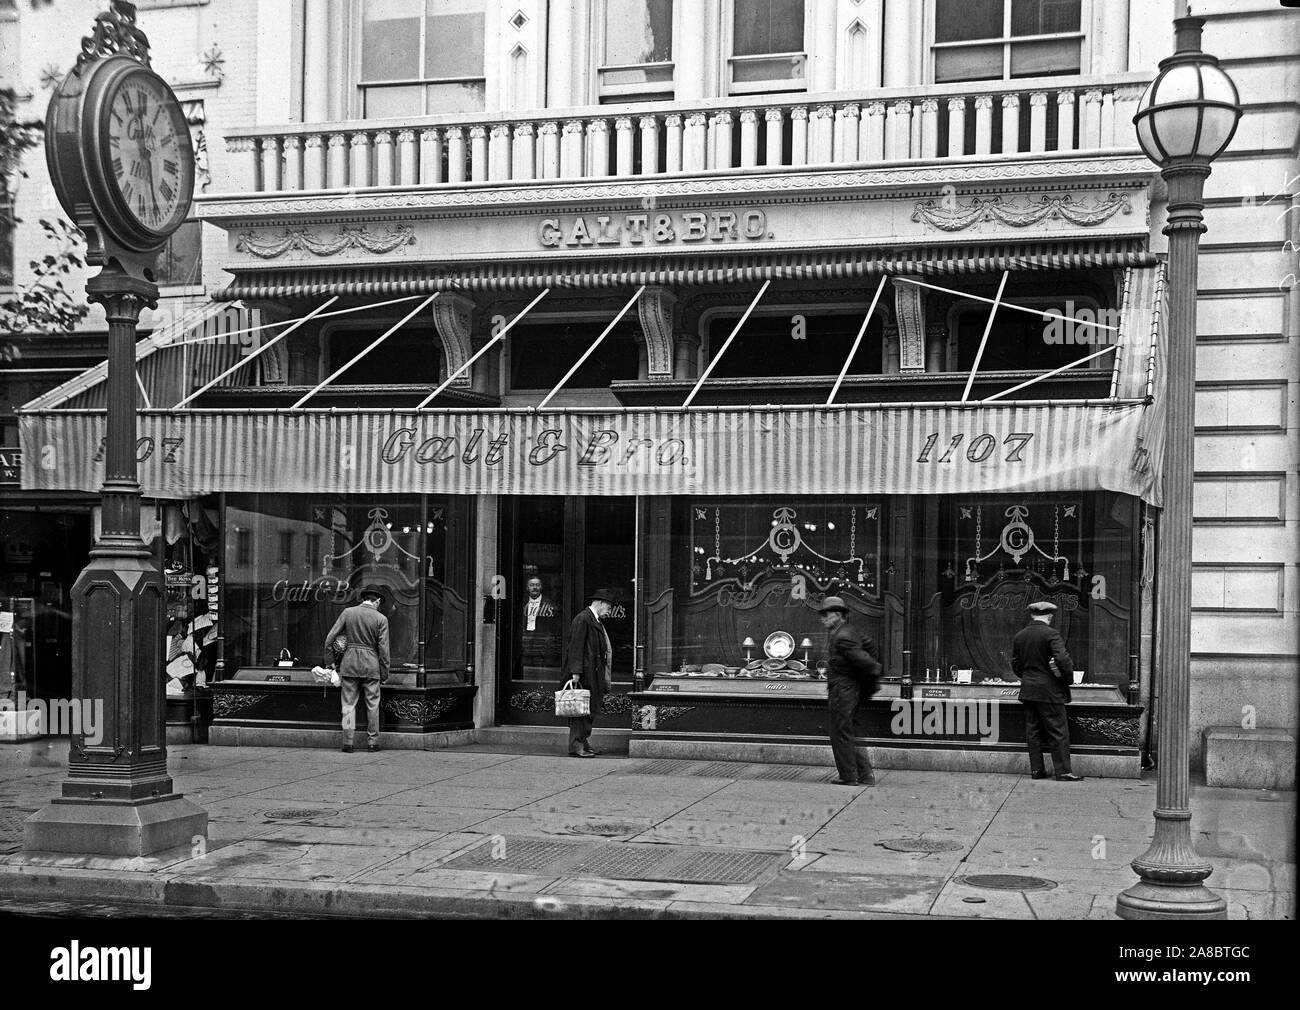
column 988, row 327
column 1005, row 305
column 587, row 354
column 367, row 349
column 1048, row 375
column 482, row 350
column 727, row 343
column 245, row 360
column 323, row 315
column 858, row 342
column 143, row 392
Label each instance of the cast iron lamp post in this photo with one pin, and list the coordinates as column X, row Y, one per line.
column 1184, row 121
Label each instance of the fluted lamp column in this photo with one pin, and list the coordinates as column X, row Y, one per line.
column 1184, row 121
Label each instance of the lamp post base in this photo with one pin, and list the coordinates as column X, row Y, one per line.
column 108, row 828
column 1148, row 900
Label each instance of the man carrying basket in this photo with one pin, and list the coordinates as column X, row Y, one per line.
column 588, row 661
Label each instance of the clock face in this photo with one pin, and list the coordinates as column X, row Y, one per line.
column 150, row 162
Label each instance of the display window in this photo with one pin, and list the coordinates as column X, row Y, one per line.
column 294, row 562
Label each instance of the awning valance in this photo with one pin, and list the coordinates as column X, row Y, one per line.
column 594, row 272
column 879, row 449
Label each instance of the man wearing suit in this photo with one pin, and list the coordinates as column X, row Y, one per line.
column 851, row 678
column 365, row 663
column 540, row 640
column 1043, row 692
column 589, row 657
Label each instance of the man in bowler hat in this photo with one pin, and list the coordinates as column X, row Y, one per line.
column 1043, row 691
column 852, row 676
column 589, row 657
column 365, row 663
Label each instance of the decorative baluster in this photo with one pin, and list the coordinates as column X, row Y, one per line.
column 821, row 136
column 673, row 142
column 406, row 158
column 983, row 124
column 898, row 131
column 1010, row 124
column 871, row 144
column 292, row 162
column 598, row 133
column 799, row 135
column 360, row 160
column 550, row 134
column 455, row 154
column 847, row 121
column 523, row 158
column 624, row 147
column 1108, row 119
column 1038, row 121
column 338, row 161
column 270, row 164
column 929, row 128
column 774, row 148
column 571, row 149
column 430, row 157
column 694, row 157
column 956, row 127
column 1090, row 120
column 313, row 162
column 478, row 153
column 748, row 138
column 1065, row 120
column 244, row 156
column 649, row 145
column 499, row 152
column 383, row 158
column 723, row 124
column 1126, row 101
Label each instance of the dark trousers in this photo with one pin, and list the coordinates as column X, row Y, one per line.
column 580, row 733
column 843, row 694
column 1045, row 721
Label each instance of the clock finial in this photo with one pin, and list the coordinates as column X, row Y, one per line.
column 115, row 32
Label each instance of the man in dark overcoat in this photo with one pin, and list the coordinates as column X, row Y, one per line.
column 852, row 676
column 365, row 663
column 1044, row 692
column 589, row 658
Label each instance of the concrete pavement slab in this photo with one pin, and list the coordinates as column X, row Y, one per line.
column 653, row 890
column 318, row 791
column 417, row 818
column 851, row 892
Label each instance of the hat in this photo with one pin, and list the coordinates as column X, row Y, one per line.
column 833, row 603
column 608, row 595
column 1042, row 607
column 377, row 591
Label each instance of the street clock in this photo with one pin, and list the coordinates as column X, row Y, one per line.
column 118, row 146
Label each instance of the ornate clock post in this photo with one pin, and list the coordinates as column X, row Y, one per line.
column 120, row 157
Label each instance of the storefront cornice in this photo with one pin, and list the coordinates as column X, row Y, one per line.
column 921, row 179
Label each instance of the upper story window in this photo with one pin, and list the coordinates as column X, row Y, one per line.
column 180, row 264
column 767, row 47
column 411, row 356
column 798, row 341
column 542, row 353
column 421, row 57
column 636, row 55
column 978, row 40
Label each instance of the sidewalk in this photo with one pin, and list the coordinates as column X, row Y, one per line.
column 479, row 831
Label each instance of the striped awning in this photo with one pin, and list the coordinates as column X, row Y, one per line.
column 577, row 273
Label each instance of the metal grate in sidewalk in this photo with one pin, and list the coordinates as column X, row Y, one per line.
column 736, row 770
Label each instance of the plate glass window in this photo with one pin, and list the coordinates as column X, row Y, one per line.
column 977, row 40
column 636, row 62
column 767, row 46
column 180, row 264
column 422, row 57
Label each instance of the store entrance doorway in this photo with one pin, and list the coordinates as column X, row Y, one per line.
column 560, row 550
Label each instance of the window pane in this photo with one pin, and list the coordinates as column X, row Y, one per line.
column 638, row 31
column 540, row 355
column 1043, row 17
column 636, row 75
column 785, row 68
column 454, row 39
column 766, row 346
column 447, row 547
column 1039, row 59
column 977, row 63
column 407, row 357
column 384, row 103
column 959, row 20
column 465, row 96
column 767, row 26
column 181, row 260
column 390, row 40
column 541, row 616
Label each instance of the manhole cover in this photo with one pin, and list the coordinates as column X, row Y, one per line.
column 611, row 829
column 1007, row 882
column 292, row 815
column 920, row 845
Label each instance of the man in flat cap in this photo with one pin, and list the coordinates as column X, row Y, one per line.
column 589, row 658
column 365, row 663
column 1044, row 691
column 851, row 679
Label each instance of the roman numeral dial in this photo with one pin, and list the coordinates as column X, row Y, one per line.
column 147, row 152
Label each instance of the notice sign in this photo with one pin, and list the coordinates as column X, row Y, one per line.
column 11, row 465
column 654, row 228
